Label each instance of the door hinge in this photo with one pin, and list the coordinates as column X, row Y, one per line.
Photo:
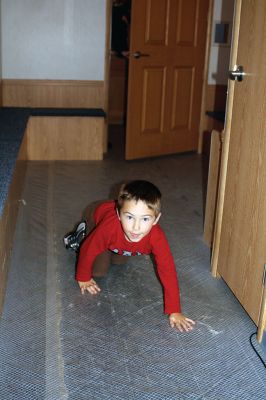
column 264, row 275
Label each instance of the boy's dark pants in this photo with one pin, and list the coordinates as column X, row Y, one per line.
column 102, row 261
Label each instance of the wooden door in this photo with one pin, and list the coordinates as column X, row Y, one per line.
column 241, row 248
column 165, row 82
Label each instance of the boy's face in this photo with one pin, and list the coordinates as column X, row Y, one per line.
column 137, row 219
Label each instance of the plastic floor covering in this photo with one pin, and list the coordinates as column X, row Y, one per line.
column 57, row 344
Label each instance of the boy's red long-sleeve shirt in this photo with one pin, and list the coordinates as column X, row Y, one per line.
column 108, row 235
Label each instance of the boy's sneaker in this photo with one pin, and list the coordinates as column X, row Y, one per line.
column 73, row 239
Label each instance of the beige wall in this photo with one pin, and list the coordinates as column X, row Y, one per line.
column 47, row 39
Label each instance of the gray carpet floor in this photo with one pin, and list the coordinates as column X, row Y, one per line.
column 57, row 344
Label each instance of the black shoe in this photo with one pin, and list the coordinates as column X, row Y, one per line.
column 73, row 239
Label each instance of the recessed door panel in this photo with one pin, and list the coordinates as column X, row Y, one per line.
column 156, row 21
column 153, row 100
column 186, row 32
column 182, row 89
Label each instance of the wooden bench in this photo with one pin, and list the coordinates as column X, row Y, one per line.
column 66, row 134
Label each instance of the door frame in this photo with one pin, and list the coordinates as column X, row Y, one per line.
column 107, row 62
column 205, row 75
column 226, row 143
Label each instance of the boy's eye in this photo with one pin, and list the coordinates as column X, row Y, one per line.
column 146, row 219
column 129, row 217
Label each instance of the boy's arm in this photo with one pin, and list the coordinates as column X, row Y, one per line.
column 167, row 273
column 93, row 245
column 168, row 277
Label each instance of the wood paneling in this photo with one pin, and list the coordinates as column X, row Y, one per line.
column 53, row 93
column 9, row 217
column 212, row 188
column 65, row 138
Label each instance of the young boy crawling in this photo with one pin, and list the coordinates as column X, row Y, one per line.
column 128, row 227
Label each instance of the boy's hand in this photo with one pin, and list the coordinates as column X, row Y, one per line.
column 90, row 286
column 182, row 323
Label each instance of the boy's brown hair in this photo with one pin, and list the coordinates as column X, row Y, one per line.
column 141, row 190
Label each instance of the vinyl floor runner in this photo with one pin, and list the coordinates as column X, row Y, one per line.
column 57, row 344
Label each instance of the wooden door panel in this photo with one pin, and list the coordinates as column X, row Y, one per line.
column 152, row 102
column 182, row 88
column 149, row 21
column 186, row 33
column 156, row 22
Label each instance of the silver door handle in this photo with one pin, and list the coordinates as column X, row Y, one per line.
column 237, row 74
column 138, row 54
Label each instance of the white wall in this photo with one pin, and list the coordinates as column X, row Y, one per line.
column 220, row 56
column 53, row 39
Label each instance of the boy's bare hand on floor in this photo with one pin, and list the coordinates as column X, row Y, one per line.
column 90, row 286
column 182, row 323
